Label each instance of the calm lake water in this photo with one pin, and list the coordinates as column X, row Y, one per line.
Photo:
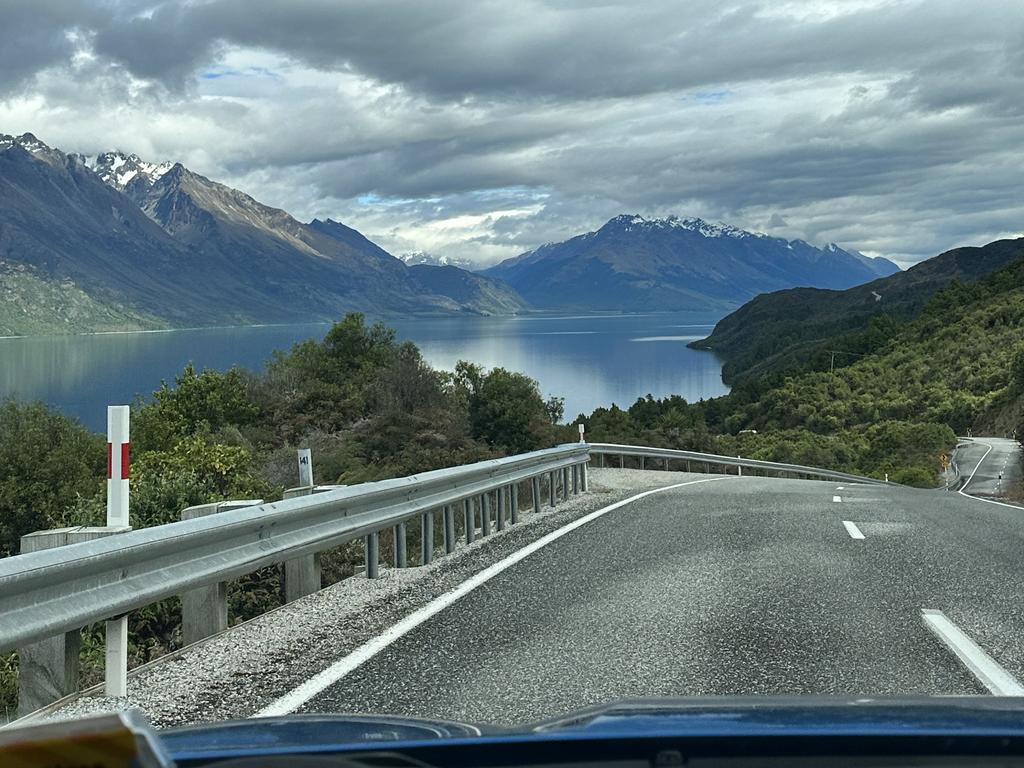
column 590, row 361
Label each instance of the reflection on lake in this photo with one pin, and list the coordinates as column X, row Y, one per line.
column 588, row 360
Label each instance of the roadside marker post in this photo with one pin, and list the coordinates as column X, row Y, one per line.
column 305, row 467
column 118, row 471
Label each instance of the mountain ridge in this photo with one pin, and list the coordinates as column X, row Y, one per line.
column 161, row 243
column 633, row 263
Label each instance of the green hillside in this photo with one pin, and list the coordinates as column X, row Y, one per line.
column 30, row 305
column 958, row 364
column 795, row 330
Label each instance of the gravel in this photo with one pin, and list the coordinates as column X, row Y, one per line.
column 236, row 673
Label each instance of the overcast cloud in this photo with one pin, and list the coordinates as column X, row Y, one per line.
column 482, row 129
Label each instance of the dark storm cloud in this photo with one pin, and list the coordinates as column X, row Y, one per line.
column 35, row 34
column 569, row 50
column 893, row 127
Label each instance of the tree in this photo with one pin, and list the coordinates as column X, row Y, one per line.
column 47, row 462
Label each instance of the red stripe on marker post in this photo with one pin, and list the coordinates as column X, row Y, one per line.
column 110, row 460
column 126, row 460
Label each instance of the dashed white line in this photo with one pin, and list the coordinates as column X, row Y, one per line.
column 853, row 530
column 839, row 488
column 837, row 498
column 328, row 677
column 998, row 681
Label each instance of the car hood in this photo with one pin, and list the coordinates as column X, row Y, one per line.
column 686, row 717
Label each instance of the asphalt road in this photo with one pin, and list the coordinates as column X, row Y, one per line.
column 993, row 464
column 735, row 586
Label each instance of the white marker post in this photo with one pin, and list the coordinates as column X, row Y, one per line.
column 305, row 468
column 118, row 467
column 582, row 439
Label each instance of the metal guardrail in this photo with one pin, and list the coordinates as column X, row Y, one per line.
column 646, row 452
column 46, row 593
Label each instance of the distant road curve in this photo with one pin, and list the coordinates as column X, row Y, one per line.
column 991, row 465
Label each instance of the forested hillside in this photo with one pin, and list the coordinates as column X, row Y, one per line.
column 959, row 363
column 797, row 329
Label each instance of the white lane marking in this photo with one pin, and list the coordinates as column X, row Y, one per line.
column 853, row 530
column 839, row 488
column 837, row 498
column 998, row 681
column 962, row 492
column 976, row 468
column 328, row 677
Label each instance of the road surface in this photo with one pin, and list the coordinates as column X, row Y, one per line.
column 729, row 586
column 992, row 464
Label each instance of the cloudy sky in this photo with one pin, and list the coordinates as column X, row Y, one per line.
column 483, row 128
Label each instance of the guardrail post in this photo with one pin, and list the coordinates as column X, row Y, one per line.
column 535, row 488
column 565, row 483
column 372, row 548
column 600, row 460
column 301, row 574
column 584, row 480
column 467, row 510
column 401, row 559
column 204, row 611
column 575, row 479
column 502, row 493
column 552, row 490
column 427, row 543
column 515, row 504
column 449, row 529
column 485, row 514
column 642, row 462
column 739, row 468
column 48, row 670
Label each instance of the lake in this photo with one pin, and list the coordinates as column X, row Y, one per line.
column 588, row 360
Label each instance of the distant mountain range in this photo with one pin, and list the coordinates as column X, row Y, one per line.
column 134, row 244
column 116, row 242
column 793, row 330
column 637, row 264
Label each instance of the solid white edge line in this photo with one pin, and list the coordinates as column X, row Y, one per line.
column 837, row 498
column 328, row 677
column 997, row 680
column 853, row 530
column 962, row 492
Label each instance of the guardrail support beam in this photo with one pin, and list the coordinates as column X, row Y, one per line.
column 372, row 549
column 401, row 558
column 502, row 504
column 204, row 611
column 552, row 489
column 467, row 511
column 515, row 504
column 449, row 529
column 301, row 577
column 427, row 538
column 485, row 514
column 47, row 670
column 535, row 488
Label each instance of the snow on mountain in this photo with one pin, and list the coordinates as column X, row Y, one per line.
column 422, row 257
column 119, row 169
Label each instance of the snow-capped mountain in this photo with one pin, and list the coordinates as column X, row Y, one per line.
column 160, row 242
column 422, row 257
column 121, row 170
column 636, row 263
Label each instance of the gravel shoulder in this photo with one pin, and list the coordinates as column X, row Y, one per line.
column 236, row 673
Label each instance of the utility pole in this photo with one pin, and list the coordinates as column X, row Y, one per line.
column 832, row 363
